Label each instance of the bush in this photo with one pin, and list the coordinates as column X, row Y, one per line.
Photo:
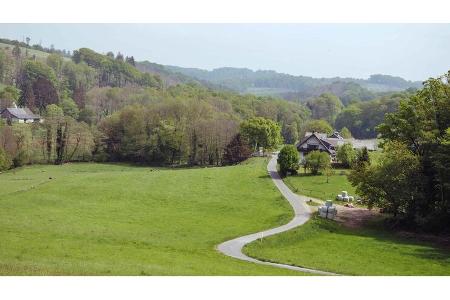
column 5, row 161
column 288, row 160
column 345, row 133
column 20, row 159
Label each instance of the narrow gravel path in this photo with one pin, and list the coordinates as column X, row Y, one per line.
column 234, row 247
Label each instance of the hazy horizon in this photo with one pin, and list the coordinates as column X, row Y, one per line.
column 411, row 51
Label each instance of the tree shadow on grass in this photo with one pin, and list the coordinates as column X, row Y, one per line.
column 425, row 249
column 264, row 176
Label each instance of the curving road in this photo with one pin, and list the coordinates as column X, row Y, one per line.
column 234, row 247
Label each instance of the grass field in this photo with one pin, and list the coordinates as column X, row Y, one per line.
column 328, row 246
column 103, row 219
column 317, row 186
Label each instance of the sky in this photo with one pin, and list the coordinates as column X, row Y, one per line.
column 412, row 51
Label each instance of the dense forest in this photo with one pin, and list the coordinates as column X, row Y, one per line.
column 101, row 107
column 108, row 107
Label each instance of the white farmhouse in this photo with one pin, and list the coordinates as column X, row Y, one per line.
column 329, row 144
column 20, row 115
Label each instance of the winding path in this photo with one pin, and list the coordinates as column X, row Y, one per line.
column 302, row 212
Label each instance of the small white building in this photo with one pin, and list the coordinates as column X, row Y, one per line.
column 20, row 115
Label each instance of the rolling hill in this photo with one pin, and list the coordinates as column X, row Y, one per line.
column 266, row 82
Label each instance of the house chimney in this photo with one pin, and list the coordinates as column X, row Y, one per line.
column 14, row 103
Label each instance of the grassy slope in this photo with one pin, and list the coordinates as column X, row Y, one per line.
column 326, row 245
column 115, row 219
column 31, row 52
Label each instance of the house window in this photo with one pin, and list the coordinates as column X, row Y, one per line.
column 313, row 147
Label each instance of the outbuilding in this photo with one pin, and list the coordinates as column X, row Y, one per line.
column 20, row 115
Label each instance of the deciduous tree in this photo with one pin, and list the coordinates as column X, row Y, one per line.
column 288, row 159
column 236, row 151
column 346, row 154
column 261, row 132
column 317, row 161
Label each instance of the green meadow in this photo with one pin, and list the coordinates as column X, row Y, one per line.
column 115, row 219
column 111, row 219
column 329, row 246
column 318, row 187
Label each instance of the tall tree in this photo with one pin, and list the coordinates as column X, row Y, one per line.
column 44, row 93
column 27, row 97
column 119, row 56
column 261, row 132
column 288, row 159
column 236, row 151
column 290, row 134
column 321, row 126
column 346, row 154
column 130, row 60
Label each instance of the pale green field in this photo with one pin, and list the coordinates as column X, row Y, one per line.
column 102, row 219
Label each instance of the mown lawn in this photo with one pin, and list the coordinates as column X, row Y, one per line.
column 328, row 246
column 318, row 187
column 102, row 219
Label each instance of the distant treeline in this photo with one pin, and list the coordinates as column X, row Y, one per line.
column 37, row 47
column 298, row 87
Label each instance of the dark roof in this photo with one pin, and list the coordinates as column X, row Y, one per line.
column 331, row 143
column 326, row 143
column 22, row 113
